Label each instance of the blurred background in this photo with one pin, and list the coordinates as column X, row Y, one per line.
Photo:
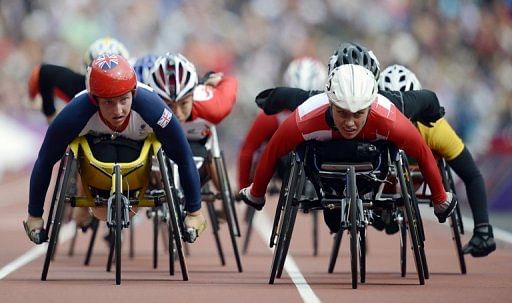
column 462, row 50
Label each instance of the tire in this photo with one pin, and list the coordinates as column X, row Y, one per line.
column 351, row 185
column 62, row 188
column 118, row 220
column 411, row 222
column 175, row 221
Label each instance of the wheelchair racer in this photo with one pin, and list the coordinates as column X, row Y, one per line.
column 47, row 80
column 114, row 104
column 444, row 141
column 197, row 105
column 350, row 108
column 305, row 73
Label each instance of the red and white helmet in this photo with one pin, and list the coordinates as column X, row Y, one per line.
column 110, row 76
column 173, row 77
column 306, row 73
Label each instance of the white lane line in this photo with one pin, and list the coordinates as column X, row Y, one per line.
column 264, row 228
column 66, row 233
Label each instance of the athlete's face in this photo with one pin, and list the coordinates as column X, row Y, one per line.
column 349, row 124
column 183, row 108
column 115, row 110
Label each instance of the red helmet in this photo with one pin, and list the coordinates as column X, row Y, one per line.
column 110, row 76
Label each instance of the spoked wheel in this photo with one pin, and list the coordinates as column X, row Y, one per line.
column 229, row 208
column 411, row 221
column 118, row 220
column 175, row 220
column 351, row 188
column 249, row 218
column 67, row 168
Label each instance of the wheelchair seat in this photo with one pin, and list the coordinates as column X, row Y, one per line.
column 96, row 175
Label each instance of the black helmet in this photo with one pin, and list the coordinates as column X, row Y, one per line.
column 353, row 53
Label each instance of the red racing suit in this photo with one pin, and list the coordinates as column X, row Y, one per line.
column 385, row 122
column 210, row 106
column 261, row 130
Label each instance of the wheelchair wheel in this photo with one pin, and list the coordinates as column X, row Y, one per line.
column 411, row 220
column 67, row 168
column 362, row 254
column 95, row 224
column 175, row 224
column 295, row 209
column 283, row 196
column 415, row 210
column 455, row 216
column 118, row 220
column 351, row 188
column 156, row 225
column 335, row 250
column 403, row 248
column 249, row 217
column 215, row 229
column 284, row 220
column 229, row 208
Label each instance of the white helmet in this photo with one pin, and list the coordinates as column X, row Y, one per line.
column 399, row 78
column 173, row 76
column 351, row 87
column 105, row 45
column 306, row 73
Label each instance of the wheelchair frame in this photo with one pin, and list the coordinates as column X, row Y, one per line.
column 117, row 204
column 354, row 214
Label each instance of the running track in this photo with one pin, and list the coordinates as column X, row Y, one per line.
column 305, row 280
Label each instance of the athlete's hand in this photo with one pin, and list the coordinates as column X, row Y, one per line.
column 213, row 79
column 34, row 229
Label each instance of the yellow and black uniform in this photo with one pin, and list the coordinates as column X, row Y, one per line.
column 442, row 139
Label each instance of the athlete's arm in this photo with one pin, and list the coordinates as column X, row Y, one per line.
column 66, row 126
column 407, row 137
column 261, row 130
column 418, row 105
column 275, row 100
column 286, row 138
column 215, row 103
column 168, row 130
column 58, row 81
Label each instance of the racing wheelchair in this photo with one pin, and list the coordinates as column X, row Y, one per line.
column 209, row 193
column 118, row 187
column 347, row 176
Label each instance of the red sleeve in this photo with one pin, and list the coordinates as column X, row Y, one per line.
column 261, row 130
column 286, row 138
column 408, row 138
column 215, row 103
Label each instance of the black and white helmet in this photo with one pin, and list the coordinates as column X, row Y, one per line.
column 353, row 53
column 306, row 73
column 398, row 78
column 173, row 77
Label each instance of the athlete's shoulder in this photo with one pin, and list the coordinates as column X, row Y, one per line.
column 203, row 92
column 313, row 106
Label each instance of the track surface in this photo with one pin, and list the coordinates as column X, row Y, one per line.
column 488, row 279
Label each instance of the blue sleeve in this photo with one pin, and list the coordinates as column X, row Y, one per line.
column 66, row 126
column 151, row 108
